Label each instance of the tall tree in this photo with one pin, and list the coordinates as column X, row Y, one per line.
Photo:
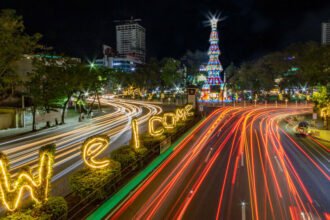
column 44, row 86
column 312, row 62
column 14, row 42
column 170, row 74
column 70, row 81
column 193, row 60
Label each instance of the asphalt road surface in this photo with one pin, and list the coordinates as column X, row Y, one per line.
column 23, row 151
column 240, row 163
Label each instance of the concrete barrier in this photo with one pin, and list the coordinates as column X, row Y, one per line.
column 321, row 134
column 6, row 121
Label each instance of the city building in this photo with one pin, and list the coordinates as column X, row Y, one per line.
column 131, row 40
column 325, row 35
column 121, row 64
column 111, row 59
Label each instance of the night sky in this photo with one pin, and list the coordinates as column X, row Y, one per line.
column 252, row 28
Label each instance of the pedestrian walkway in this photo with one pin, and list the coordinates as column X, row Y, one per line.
column 72, row 119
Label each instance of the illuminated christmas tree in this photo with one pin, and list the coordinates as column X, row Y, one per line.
column 214, row 67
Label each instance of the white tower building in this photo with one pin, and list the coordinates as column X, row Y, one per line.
column 325, row 35
column 131, row 39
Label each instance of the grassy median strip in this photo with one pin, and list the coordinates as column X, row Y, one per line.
column 112, row 202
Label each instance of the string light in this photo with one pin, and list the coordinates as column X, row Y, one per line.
column 135, row 134
column 172, row 117
column 92, row 147
column 214, row 67
column 180, row 114
column 38, row 188
column 151, row 128
column 188, row 108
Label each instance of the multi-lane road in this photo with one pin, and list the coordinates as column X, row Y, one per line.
column 23, row 151
column 239, row 163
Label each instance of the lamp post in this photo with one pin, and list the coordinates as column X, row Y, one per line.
column 286, row 103
column 243, row 204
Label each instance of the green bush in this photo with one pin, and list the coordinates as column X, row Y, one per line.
column 56, row 208
column 87, row 181
column 180, row 124
column 20, row 215
column 141, row 152
column 151, row 141
column 125, row 155
column 170, row 132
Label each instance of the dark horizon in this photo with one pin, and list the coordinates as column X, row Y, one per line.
column 252, row 28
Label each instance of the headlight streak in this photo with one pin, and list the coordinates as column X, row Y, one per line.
column 69, row 142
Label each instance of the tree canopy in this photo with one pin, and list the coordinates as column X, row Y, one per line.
column 14, row 43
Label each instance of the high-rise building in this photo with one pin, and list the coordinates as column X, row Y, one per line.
column 325, row 37
column 131, row 40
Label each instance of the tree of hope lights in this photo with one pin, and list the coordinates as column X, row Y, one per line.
column 212, row 86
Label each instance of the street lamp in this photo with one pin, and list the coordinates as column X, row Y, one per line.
column 286, row 102
column 243, row 204
column 92, row 65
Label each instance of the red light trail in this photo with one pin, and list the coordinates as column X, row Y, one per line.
column 236, row 157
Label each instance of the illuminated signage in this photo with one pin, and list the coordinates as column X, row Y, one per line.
column 135, row 134
column 180, row 114
column 172, row 118
column 92, row 147
column 188, row 109
column 152, row 131
column 12, row 193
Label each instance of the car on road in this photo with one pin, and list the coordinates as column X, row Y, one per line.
column 302, row 129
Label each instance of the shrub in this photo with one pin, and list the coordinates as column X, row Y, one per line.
column 56, row 208
column 125, row 155
column 141, row 152
column 170, row 132
column 180, row 124
column 20, row 215
column 87, row 181
column 149, row 141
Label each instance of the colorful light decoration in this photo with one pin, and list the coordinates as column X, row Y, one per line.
column 92, row 147
column 151, row 128
column 172, row 118
column 12, row 194
column 135, row 134
column 214, row 67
